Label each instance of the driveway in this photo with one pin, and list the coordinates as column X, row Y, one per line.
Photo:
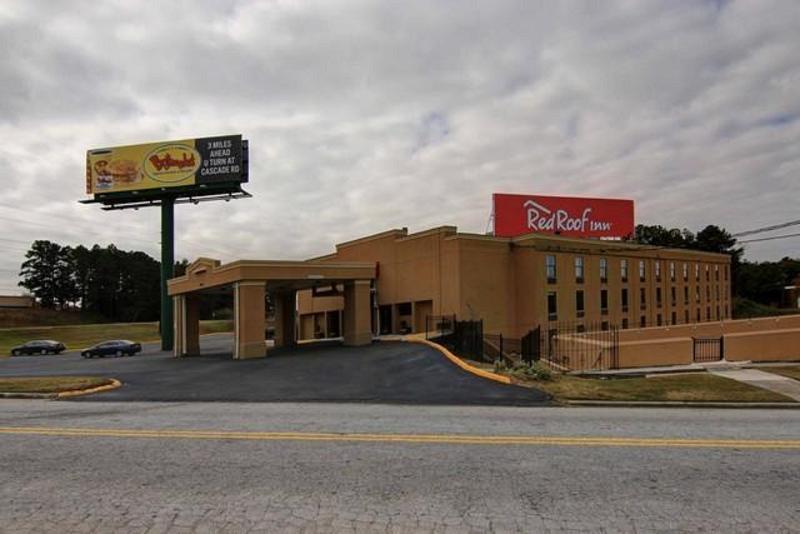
column 384, row 372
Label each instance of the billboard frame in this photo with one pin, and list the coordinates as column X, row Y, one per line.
column 166, row 198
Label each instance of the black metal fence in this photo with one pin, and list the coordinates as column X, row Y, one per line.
column 708, row 349
column 439, row 325
column 464, row 338
column 562, row 346
column 580, row 346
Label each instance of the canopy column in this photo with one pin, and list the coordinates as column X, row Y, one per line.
column 249, row 323
column 186, row 315
column 285, row 305
column 357, row 318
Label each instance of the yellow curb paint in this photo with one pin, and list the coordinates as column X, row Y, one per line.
column 99, row 389
column 450, row 439
column 459, row 362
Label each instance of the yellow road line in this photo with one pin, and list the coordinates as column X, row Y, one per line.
column 452, row 439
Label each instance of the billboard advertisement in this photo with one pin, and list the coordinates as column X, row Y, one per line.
column 601, row 218
column 168, row 164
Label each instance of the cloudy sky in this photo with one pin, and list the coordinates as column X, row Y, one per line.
column 365, row 116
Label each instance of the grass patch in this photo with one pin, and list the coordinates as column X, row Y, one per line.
column 686, row 387
column 696, row 387
column 50, row 384
column 791, row 371
column 77, row 337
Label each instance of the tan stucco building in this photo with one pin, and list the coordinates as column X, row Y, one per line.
column 516, row 284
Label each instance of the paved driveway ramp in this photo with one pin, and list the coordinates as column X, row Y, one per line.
column 384, row 372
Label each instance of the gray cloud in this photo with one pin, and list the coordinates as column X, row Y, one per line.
column 364, row 116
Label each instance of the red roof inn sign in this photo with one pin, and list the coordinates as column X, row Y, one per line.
column 602, row 218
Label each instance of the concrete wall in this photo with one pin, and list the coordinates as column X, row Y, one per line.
column 764, row 339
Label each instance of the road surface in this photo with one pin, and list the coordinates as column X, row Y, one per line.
column 294, row 467
column 385, row 372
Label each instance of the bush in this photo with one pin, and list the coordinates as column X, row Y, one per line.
column 535, row 371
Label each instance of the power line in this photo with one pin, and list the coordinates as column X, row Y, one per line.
column 766, row 229
column 784, row 236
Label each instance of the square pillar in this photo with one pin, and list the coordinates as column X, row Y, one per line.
column 285, row 305
column 249, row 322
column 357, row 313
column 186, row 316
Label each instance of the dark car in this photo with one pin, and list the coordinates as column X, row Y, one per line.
column 40, row 346
column 117, row 347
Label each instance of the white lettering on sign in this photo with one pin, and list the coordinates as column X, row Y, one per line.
column 541, row 218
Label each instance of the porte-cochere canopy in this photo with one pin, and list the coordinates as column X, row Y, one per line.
column 250, row 280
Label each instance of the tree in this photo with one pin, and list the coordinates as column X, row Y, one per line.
column 42, row 273
column 660, row 236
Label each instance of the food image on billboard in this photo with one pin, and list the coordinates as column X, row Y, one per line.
column 600, row 218
column 169, row 164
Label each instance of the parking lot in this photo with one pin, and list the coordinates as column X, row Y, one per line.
column 384, row 372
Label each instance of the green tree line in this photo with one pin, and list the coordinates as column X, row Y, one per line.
column 116, row 284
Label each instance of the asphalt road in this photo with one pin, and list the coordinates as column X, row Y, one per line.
column 287, row 467
column 386, row 372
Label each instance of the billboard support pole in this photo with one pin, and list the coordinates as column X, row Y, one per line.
column 167, row 269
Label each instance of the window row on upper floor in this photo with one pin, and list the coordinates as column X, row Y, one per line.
column 551, row 270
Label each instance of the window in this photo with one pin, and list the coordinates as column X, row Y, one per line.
column 404, row 308
column 641, row 271
column 707, row 274
column 716, row 273
column 708, row 313
column 642, row 321
column 716, row 291
column 624, row 299
column 697, row 294
column 604, row 325
column 658, row 297
column 673, row 296
column 603, row 270
column 642, row 298
column 659, row 322
column 697, row 271
column 685, row 272
column 623, row 270
column 717, row 313
column 672, row 271
column 624, row 323
column 726, row 273
column 579, row 306
column 658, row 271
column 580, row 329
column 686, row 316
column 604, row 301
column 708, row 292
column 579, row 269
column 552, row 306
column 685, row 295
column 550, row 268
column 698, row 315
column 674, row 318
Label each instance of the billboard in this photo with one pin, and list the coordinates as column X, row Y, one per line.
column 168, row 164
column 604, row 218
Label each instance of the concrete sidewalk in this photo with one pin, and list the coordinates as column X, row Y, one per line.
column 776, row 383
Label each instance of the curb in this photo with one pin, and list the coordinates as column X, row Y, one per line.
column 4, row 395
column 63, row 394
column 461, row 363
column 682, row 404
column 80, row 392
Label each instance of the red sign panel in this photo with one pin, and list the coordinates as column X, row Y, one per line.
column 609, row 218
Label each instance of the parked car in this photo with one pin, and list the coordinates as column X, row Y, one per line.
column 40, row 346
column 117, row 347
